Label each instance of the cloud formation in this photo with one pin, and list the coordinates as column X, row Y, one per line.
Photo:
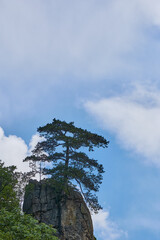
column 134, row 118
column 105, row 228
column 60, row 38
column 46, row 43
column 82, row 38
column 34, row 140
column 13, row 150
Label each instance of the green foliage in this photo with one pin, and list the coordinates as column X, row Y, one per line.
column 62, row 144
column 17, row 226
column 13, row 224
column 8, row 181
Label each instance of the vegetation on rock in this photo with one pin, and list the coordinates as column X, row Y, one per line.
column 13, row 223
column 8, row 181
column 64, row 145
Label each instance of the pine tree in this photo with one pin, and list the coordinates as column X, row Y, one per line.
column 64, row 145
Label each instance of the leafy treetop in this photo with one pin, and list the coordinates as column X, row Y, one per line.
column 64, row 146
column 15, row 225
column 8, row 181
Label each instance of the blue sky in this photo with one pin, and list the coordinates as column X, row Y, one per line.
column 95, row 63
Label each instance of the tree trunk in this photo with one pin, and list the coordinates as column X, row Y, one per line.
column 66, row 167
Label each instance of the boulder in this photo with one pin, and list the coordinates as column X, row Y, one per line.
column 67, row 213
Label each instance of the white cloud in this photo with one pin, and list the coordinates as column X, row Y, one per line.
column 150, row 10
column 13, row 150
column 134, row 118
column 34, row 140
column 46, row 42
column 105, row 228
column 62, row 36
column 78, row 37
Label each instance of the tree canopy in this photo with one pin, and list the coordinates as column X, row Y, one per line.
column 8, row 181
column 64, row 146
column 13, row 223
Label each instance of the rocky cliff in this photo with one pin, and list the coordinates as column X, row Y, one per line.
column 67, row 213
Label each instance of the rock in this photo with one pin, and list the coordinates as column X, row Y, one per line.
column 69, row 214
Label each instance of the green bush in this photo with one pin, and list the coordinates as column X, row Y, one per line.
column 17, row 226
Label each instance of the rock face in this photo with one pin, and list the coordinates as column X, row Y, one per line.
column 69, row 214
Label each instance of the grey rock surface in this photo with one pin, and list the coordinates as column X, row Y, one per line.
column 69, row 214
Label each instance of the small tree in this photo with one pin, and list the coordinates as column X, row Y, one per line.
column 64, row 146
column 8, row 181
column 12, row 185
column 15, row 225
